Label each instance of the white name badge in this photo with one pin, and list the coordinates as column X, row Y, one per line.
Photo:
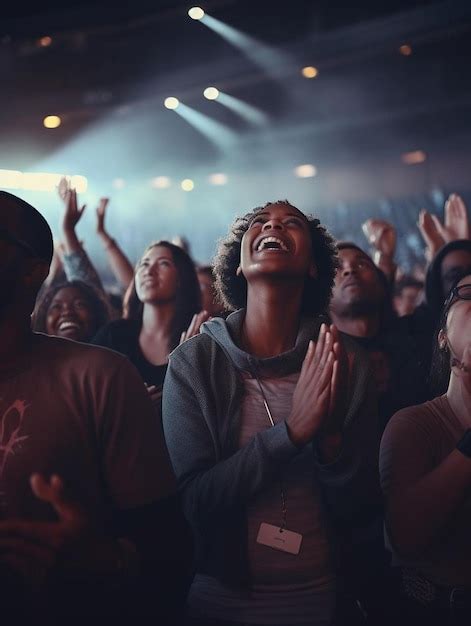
column 279, row 539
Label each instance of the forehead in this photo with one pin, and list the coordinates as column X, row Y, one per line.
column 280, row 209
column 67, row 293
column 158, row 252
column 352, row 254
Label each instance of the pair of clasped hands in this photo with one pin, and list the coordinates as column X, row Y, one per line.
column 320, row 395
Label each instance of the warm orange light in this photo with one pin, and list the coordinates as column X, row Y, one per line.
column 44, row 42
column 414, row 157
column 405, row 50
column 309, row 71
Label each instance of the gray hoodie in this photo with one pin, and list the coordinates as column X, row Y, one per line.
column 201, row 419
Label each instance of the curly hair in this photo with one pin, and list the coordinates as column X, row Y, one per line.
column 188, row 299
column 232, row 289
column 98, row 306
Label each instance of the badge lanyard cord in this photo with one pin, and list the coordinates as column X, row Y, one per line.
column 284, row 510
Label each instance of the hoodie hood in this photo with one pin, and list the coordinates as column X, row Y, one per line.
column 227, row 333
column 433, row 282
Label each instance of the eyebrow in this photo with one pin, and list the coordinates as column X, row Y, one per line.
column 298, row 215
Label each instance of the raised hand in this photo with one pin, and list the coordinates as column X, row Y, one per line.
column 312, row 398
column 195, row 324
column 455, row 226
column 63, row 188
column 73, row 213
column 428, row 226
column 456, row 219
column 381, row 235
column 100, row 214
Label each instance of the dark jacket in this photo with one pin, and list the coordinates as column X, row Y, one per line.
column 201, row 417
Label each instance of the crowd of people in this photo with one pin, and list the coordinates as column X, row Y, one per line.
column 282, row 437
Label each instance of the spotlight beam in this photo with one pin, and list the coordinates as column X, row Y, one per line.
column 271, row 60
column 246, row 111
column 217, row 133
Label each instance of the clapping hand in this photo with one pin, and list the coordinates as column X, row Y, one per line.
column 317, row 396
column 73, row 213
column 195, row 324
column 381, row 235
column 455, row 226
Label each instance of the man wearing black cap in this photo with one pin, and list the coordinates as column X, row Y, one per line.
column 88, row 518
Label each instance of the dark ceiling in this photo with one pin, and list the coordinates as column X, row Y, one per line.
column 367, row 101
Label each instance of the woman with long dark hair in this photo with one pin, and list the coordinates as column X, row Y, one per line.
column 425, row 466
column 161, row 305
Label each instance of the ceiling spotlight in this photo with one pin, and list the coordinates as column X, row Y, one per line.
column 305, row 171
column 187, row 184
column 161, row 182
column 211, row 93
column 218, row 179
column 196, row 13
column 171, row 103
column 119, row 183
column 405, row 50
column 309, row 71
column 52, row 121
column 44, row 42
column 413, row 158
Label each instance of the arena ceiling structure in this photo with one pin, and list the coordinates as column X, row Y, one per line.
column 344, row 109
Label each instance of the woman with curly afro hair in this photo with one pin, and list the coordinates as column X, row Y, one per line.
column 255, row 420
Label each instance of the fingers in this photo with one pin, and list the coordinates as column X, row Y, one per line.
column 53, row 492
column 191, row 327
column 439, row 227
column 195, row 324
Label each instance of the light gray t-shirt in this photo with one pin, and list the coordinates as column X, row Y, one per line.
column 286, row 588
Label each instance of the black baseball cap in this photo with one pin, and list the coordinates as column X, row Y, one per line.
column 24, row 226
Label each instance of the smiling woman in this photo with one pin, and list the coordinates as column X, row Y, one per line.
column 73, row 310
column 159, row 306
column 255, row 417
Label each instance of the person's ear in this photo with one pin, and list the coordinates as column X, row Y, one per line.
column 313, row 270
column 442, row 340
column 239, row 271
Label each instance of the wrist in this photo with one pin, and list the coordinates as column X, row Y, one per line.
column 297, row 438
column 108, row 242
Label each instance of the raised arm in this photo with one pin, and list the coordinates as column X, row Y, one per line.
column 76, row 262
column 119, row 263
column 382, row 236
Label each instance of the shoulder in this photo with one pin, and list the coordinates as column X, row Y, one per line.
column 58, row 352
column 194, row 350
column 423, row 420
column 116, row 331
